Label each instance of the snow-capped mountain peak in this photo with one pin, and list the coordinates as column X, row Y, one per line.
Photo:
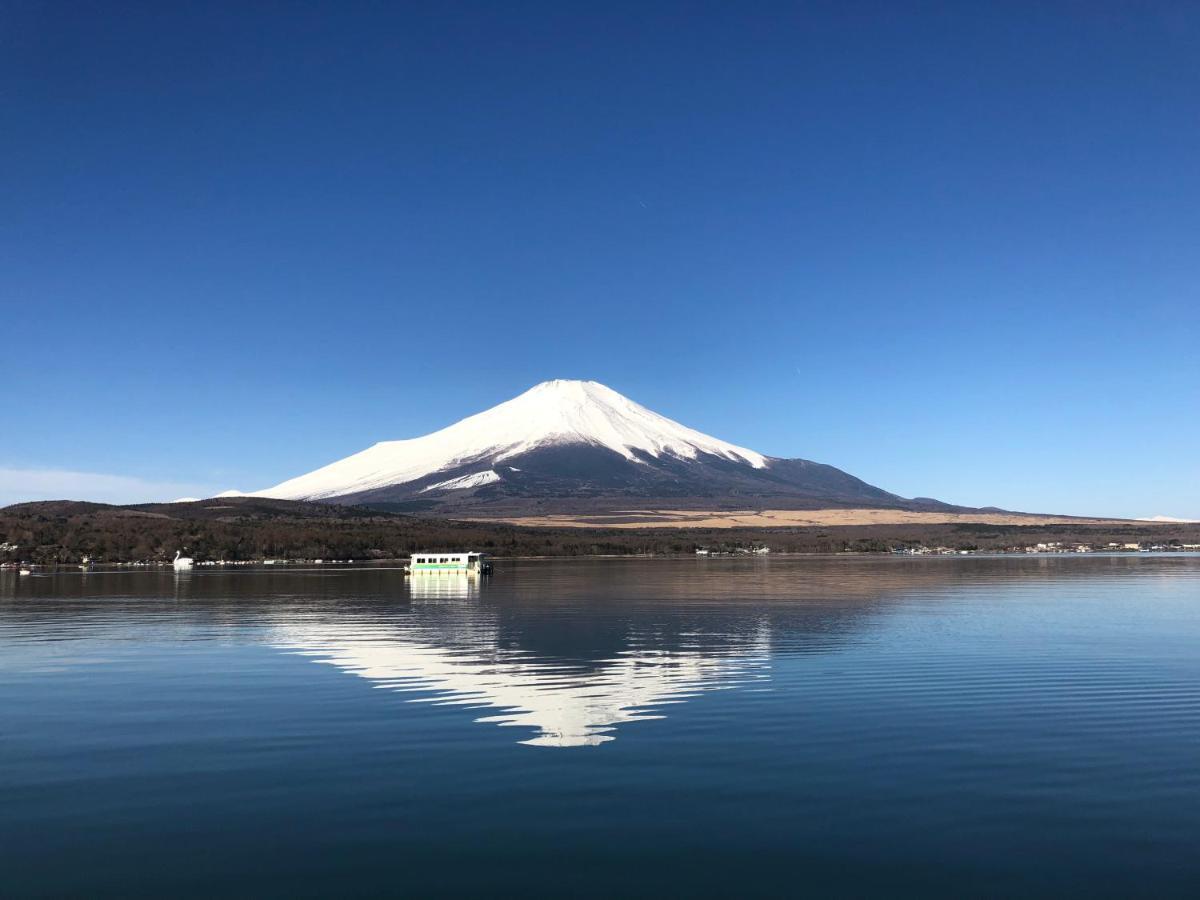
column 565, row 412
column 550, row 414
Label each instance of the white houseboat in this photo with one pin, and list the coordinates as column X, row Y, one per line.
column 452, row 563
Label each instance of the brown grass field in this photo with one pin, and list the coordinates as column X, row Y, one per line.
column 777, row 518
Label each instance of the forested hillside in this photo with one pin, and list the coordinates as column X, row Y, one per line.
column 250, row 529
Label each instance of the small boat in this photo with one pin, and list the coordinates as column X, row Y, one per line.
column 429, row 563
column 25, row 572
column 182, row 563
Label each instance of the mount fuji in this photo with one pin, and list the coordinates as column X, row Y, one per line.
column 577, row 446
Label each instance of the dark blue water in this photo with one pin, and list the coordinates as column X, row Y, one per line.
column 852, row 726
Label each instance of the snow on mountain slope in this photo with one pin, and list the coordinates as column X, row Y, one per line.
column 549, row 414
column 476, row 479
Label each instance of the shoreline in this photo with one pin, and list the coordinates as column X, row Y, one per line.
column 387, row 565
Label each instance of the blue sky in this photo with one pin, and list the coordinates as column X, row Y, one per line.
column 950, row 248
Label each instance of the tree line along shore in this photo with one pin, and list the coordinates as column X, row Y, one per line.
column 252, row 529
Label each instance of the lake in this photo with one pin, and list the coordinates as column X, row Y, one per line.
column 951, row 727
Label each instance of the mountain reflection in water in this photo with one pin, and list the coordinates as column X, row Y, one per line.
column 465, row 655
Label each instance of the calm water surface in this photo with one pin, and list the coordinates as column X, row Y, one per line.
column 954, row 727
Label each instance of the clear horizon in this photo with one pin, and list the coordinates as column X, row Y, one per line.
column 948, row 251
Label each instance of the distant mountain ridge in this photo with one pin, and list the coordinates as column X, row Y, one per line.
column 575, row 446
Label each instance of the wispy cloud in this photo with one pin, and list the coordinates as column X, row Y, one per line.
column 21, row 485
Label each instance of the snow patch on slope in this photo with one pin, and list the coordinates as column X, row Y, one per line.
column 466, row 481
column 551, row 413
